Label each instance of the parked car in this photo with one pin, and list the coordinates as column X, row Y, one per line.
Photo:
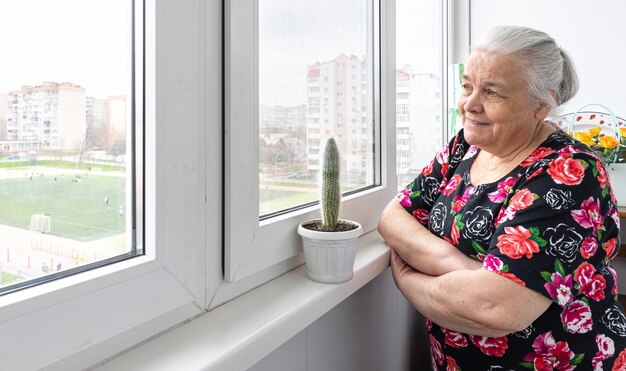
column 298, row 175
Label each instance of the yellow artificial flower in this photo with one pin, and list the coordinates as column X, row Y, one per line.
column 608, row 142
column 622, row 132
column 595, row 131
column 585, row 137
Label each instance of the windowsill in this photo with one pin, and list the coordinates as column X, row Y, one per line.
column 241, row 332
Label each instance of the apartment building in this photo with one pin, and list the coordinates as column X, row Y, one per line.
column 418, row 119
column 3, row 117
column 47, row 116
column 337, row 94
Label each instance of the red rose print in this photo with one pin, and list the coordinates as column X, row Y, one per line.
column 614, row 214
column 506, row 213
column 471, row 152
column 436, row 351
column 613, row 198
column 492, row 263
column 589, row 247
column 503, row 189
column 609, row 247
column 602, row 177
column 589, row 214
column 560, row 288
column 536, row 155
column 620, row 362
column 522, row 199
column 584, row 272
column 550, row 354
column 606, row 348
column 442, row 185
column 404, row 197
column 491, row 346
column 591, row 284
column 428, row 168
column 512, row 277
column 595, row 288
column 568, row 150
column 442, row 156
column 454, row 339
column 614, row 290
column 453, row 183
column 421, row 215
column 596, row 363
column 536, row 173
column 516, row 243
column 460, row 201
column 454, row 232
column 452, row 366
column 444, row 168
column 566, row 170
column 428, row 323
column 577, row 317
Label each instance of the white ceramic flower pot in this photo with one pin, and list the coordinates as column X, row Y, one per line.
column 329, row 255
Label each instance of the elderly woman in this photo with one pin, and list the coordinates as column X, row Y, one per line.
column 504, row 241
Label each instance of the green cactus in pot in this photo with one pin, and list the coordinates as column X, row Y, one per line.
column 329, row 244
column 331, row 192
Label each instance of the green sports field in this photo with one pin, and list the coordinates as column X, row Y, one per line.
column 77, row 209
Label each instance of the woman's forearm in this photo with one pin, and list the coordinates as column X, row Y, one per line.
column 476, row 302
column 417, row 246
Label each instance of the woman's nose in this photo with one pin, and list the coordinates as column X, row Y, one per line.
column 473, row 103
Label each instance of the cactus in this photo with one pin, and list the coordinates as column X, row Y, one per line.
column 331, row 193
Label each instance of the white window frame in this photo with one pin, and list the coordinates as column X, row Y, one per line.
column 253, row 246
column 77, row 321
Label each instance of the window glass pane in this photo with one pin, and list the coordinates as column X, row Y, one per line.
column 66, row 108
column 315, row 77
column 418, row 85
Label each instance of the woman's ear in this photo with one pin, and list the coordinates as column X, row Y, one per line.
column 542, row 112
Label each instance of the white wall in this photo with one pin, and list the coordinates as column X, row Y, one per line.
column 591, row 31
column 374, row 329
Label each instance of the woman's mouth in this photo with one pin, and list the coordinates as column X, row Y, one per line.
column 473, row 122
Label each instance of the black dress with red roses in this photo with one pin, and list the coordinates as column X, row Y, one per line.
column 551, row 225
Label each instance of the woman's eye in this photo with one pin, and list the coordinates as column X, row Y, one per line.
column 466, row 87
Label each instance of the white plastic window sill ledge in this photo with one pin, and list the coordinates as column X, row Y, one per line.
column 241, row 332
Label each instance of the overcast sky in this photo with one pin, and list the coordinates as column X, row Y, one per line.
column 297, row 33
column 86, row 42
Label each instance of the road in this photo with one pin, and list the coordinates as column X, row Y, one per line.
column 22, row 252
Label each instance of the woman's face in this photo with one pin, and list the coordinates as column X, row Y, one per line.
column 494, row 104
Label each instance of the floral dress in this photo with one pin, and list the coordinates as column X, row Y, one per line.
column 550, row 225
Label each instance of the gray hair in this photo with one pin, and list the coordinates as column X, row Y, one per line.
column 550, row 69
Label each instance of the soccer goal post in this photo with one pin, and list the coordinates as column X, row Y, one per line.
column 40, row 223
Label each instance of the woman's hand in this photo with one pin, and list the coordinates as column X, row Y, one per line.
column 399, row 268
